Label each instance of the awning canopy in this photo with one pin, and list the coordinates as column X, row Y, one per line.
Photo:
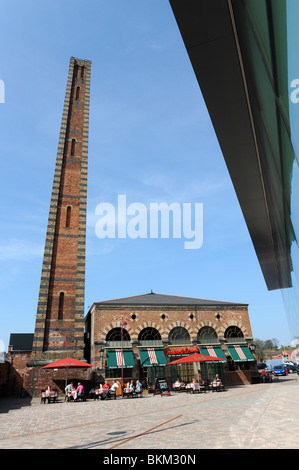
column 150, row 357
column 117, row 359
column 213, row 351
column 240, row 353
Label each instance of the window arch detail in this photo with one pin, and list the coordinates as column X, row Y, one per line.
column 207, row 335
column 179, row 335
column 68, row 216
column 113, row 337
column 234, row 334
column 61, row 306
column 149, row 336
column 73, row 147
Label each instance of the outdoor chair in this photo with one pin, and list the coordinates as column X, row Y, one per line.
column 43, row 396
column 111, row 394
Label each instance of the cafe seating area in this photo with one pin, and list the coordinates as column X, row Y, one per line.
column 195, row 387
column 129, row 393
column 49, row 396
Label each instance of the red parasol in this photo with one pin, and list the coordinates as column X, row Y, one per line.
column 67, row 363
column 197, row 358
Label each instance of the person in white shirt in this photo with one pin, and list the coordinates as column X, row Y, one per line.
column 114, row 386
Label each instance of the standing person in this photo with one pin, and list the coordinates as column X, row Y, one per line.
column 68, row 390
column 118, row 390
column 80, row 392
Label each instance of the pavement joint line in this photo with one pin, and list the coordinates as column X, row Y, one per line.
column 145, row 432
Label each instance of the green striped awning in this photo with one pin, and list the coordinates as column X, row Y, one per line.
column 240, row 353
column 117, row 359
column 214, row 351
column 150, row 357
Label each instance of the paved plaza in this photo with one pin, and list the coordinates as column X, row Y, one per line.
column 260, row 416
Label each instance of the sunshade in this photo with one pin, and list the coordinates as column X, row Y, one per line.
column 67, row 363
column 117, row 358
column 197, row 358
column 214, row 351
column 240, row 353
column 150, row 357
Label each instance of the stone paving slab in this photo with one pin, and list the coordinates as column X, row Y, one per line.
column 260, row 416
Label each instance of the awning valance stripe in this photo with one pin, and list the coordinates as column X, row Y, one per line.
column 150, row 357
column 117, row 358
column 240, row 353
column 213, row 351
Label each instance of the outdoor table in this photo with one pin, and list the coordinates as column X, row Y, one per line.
column 101, row 392
column 128, row 391
column 193, row 387
column 216, row 386
column 179, row 387
column 49, row 394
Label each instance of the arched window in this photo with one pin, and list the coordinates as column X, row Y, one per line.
column 114, row 337
column 68, row 216
column 179, row 335
column 73, row 147
column 77, row 92
column 149, row 336
column 60, row 306
column 234, row 334
column 206, row 335
column 82, row 73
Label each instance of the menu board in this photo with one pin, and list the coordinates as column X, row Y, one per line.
column 162, row 387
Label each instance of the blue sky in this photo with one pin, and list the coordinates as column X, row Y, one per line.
column 150, row 139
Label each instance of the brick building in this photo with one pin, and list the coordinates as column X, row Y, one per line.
column 153, row 329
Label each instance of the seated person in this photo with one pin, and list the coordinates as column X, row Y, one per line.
column 132, row 387
column 114, row 386
column 177, row 382
column 138, row 386
column 217, row 381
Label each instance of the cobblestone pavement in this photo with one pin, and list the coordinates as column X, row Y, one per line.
column 260, row 416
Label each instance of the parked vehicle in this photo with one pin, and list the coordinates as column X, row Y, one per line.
column 279, row 370
column 261, row 365
column 273, row 362
column 291, row 368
